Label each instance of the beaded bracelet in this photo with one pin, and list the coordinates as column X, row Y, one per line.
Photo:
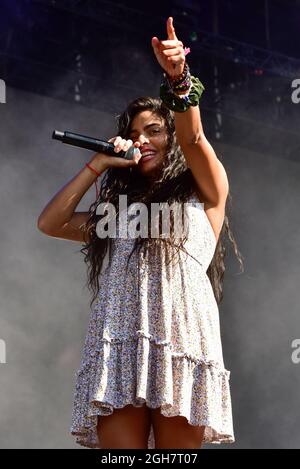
column 179, row 78
column 185, row 88
column 182, row 84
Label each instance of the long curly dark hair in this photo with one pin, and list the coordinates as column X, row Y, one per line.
column 174, row 183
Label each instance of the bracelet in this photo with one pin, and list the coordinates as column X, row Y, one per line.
column 182, row 85
column 88, row 165
column 182, row 82
column 181, row 77
column 180, row 92
column 98, row 174
column 180, row 103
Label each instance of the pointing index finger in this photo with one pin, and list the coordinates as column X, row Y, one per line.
column 171, row 29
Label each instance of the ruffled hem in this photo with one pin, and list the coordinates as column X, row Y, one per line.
column 124, row 372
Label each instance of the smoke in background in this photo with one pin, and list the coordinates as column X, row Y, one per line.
column 44, row 305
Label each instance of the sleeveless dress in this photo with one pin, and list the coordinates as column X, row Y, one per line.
column 154, row 337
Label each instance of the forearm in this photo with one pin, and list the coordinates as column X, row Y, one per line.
column 188, row 125
column 61, row 207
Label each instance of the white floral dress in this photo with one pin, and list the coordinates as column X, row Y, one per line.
column 154, row 337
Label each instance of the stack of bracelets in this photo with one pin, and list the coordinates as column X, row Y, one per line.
column 180, row 92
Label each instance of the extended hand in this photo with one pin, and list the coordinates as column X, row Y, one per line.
column 169, row 53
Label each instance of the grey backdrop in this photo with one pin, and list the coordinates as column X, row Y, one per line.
column 45, row 306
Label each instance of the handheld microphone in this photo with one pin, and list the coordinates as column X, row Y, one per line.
column 90, row 143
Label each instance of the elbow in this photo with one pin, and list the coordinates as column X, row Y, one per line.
column 193, row 139
column 41, row 225
column 196, row 138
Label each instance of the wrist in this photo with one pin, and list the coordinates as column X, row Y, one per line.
column 179, row 77
column 97, row 164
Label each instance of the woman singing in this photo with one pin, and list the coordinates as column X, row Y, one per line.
column 152, row 373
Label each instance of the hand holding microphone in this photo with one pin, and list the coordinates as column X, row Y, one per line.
column 122, row 146
column 102, row 161
column 129, row 151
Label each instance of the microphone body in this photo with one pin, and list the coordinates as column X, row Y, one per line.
column 90, row 143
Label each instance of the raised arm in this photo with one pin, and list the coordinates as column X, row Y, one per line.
column 208, row 171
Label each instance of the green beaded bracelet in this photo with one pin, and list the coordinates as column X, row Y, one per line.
column 177, row 104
